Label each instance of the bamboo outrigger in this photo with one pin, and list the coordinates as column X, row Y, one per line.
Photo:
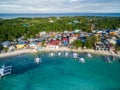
column 5, row 70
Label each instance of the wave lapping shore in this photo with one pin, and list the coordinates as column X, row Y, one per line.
column 17, row 52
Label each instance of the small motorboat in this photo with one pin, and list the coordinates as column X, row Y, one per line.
column 37, row 60
column 82, row 60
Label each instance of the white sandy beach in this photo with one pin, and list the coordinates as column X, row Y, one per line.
column 98, row 52
column 17, row 52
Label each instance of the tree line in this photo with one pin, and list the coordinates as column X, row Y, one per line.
column 11, row 29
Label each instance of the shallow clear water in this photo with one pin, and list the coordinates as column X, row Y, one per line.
column 60, row 73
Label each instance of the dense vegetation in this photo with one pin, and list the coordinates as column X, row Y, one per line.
column 89, row 43
column 11, row 29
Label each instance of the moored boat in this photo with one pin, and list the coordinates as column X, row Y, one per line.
column 5, row 70
column 112, row 57
column 66, row 54
column 89, row 55
column 37, row 60
column 75, row 55
column 51, row 54
column 107, row 59
column 82, row 60
column 59, row 53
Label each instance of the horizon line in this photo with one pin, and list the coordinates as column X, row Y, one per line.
column 67, row 13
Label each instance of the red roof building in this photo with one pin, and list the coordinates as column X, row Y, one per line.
column 55, row 42
column 65, row 39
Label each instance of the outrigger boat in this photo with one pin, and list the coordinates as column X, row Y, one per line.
column 89, row 55
column 75, row 55
column 37, row 60
column 5, row 70
column 107, row 59
column 112, row 57
column 59, row 53
column 66, row 54
column 82, row 60
column 51, row 54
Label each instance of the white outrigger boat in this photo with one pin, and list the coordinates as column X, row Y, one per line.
column 59, row 53
column 5, row 70
column 75, row 55
column 89, row 55
column 82, row 60
column 37, row 60
column 66, row 54
column 107, row 59
column 51, row 54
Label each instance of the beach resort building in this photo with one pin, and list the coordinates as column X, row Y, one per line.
column 21, row 45
column 101, row 46
column 53, row 44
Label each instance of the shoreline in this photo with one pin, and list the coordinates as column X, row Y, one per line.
column 22, row 51
column 98, row 52
column 17, row 52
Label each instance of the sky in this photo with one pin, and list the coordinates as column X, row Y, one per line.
column 59, row 6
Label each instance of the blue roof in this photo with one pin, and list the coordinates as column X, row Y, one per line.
column 21, row 43
column 107, row 31
column 5, row 43
column 34, row 43
column 118, row 41
column 83, row 40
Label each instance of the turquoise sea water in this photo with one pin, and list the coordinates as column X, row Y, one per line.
column 31, row 15
column 60, row 73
